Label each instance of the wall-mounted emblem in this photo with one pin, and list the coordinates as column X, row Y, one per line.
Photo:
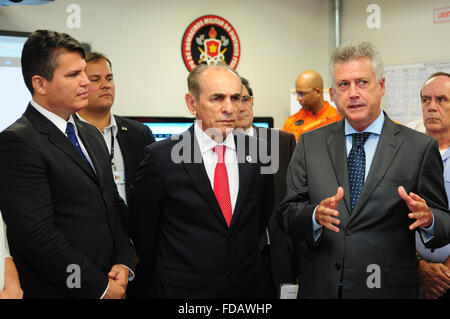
column 210, row 39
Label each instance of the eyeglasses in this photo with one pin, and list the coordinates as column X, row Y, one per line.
column 302, row 94
column 247, row 99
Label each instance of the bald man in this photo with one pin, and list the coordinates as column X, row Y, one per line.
column 315, row 111
column 434, row 264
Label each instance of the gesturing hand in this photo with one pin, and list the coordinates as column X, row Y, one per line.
column 326, row 214
column 418, row 208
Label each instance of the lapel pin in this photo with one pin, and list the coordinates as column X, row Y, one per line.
column 248, row 158
column 124, row 128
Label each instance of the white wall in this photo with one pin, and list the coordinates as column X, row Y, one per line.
column 279, row 39
column 407, row 33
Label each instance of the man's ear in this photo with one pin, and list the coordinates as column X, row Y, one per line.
column 331, row 94
column 39, row 84
column 191, row 103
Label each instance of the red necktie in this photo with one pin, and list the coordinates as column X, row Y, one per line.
column 221, row 187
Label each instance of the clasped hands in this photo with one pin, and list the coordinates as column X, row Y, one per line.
column 118, row 281
column 327, row 215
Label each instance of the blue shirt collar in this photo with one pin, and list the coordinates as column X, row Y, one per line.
column 446, row 154
column 375, row 127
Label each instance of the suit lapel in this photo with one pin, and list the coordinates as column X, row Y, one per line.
column 245, row 174
column 337, row 152
column 86, row 137
column 387, row 149
column 197, row 172
column 57, row 138
column 125, row 146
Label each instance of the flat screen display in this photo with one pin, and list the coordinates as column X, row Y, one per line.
column 13, row 92
column 165, row 127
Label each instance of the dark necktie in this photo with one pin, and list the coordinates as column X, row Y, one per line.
column 357, row 165
column 74, row 140
column 221, row 187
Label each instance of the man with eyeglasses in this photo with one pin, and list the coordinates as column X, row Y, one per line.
column 200, row 203
column 315, row 111
column 278, row 249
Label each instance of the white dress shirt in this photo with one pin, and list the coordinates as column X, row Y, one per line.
column 61, row 124
column 210, row 159
column 4, row 252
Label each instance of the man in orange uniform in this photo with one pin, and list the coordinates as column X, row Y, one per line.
column 315, row 111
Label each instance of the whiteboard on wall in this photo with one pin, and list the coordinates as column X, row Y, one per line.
column 403, row 84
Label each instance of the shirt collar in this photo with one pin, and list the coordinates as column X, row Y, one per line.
column 206, row 143
column 251, row 131
column 112, row 124
column 375, row 127
column 59, row 122
column 445, row 154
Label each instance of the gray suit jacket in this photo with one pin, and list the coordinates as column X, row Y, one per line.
column 376, row 233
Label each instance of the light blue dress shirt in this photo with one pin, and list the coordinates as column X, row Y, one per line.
column 370, row 148
column 438, row 255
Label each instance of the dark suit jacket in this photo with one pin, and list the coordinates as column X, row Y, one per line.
column 180, row 232
column 376, row 232
column 132, row 137
column 282, row 255
column 57, row 211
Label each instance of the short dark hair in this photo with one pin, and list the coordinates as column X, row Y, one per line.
column 94, row 57
column 41, row 51
column 247, row 85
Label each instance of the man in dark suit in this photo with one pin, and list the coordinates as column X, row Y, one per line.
column 58, row 197
column 355, row 202
column 125, row 139
column 279, row 248
column 199, row 203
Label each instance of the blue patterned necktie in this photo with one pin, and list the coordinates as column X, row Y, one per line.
column 74, row 140
column 357, row 165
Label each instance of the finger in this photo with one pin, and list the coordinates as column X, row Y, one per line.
column 326, row 215
column 424, row 218
column 328, row 202
column 331, row 227
column 419, row 223
column 417, row 198
column 417, row 215
column 112, row 274
column 339, row 194
column 408, row 200
column 329, row 222
column 446, row 272
column 403, row 194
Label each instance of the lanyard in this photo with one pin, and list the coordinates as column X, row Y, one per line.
column 111, row 156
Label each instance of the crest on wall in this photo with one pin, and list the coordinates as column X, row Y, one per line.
column 208, row 40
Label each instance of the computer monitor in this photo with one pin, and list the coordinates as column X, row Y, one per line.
column 164, row 127
column 13, row 91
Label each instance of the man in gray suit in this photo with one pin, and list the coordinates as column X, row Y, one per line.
column 357, row 199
